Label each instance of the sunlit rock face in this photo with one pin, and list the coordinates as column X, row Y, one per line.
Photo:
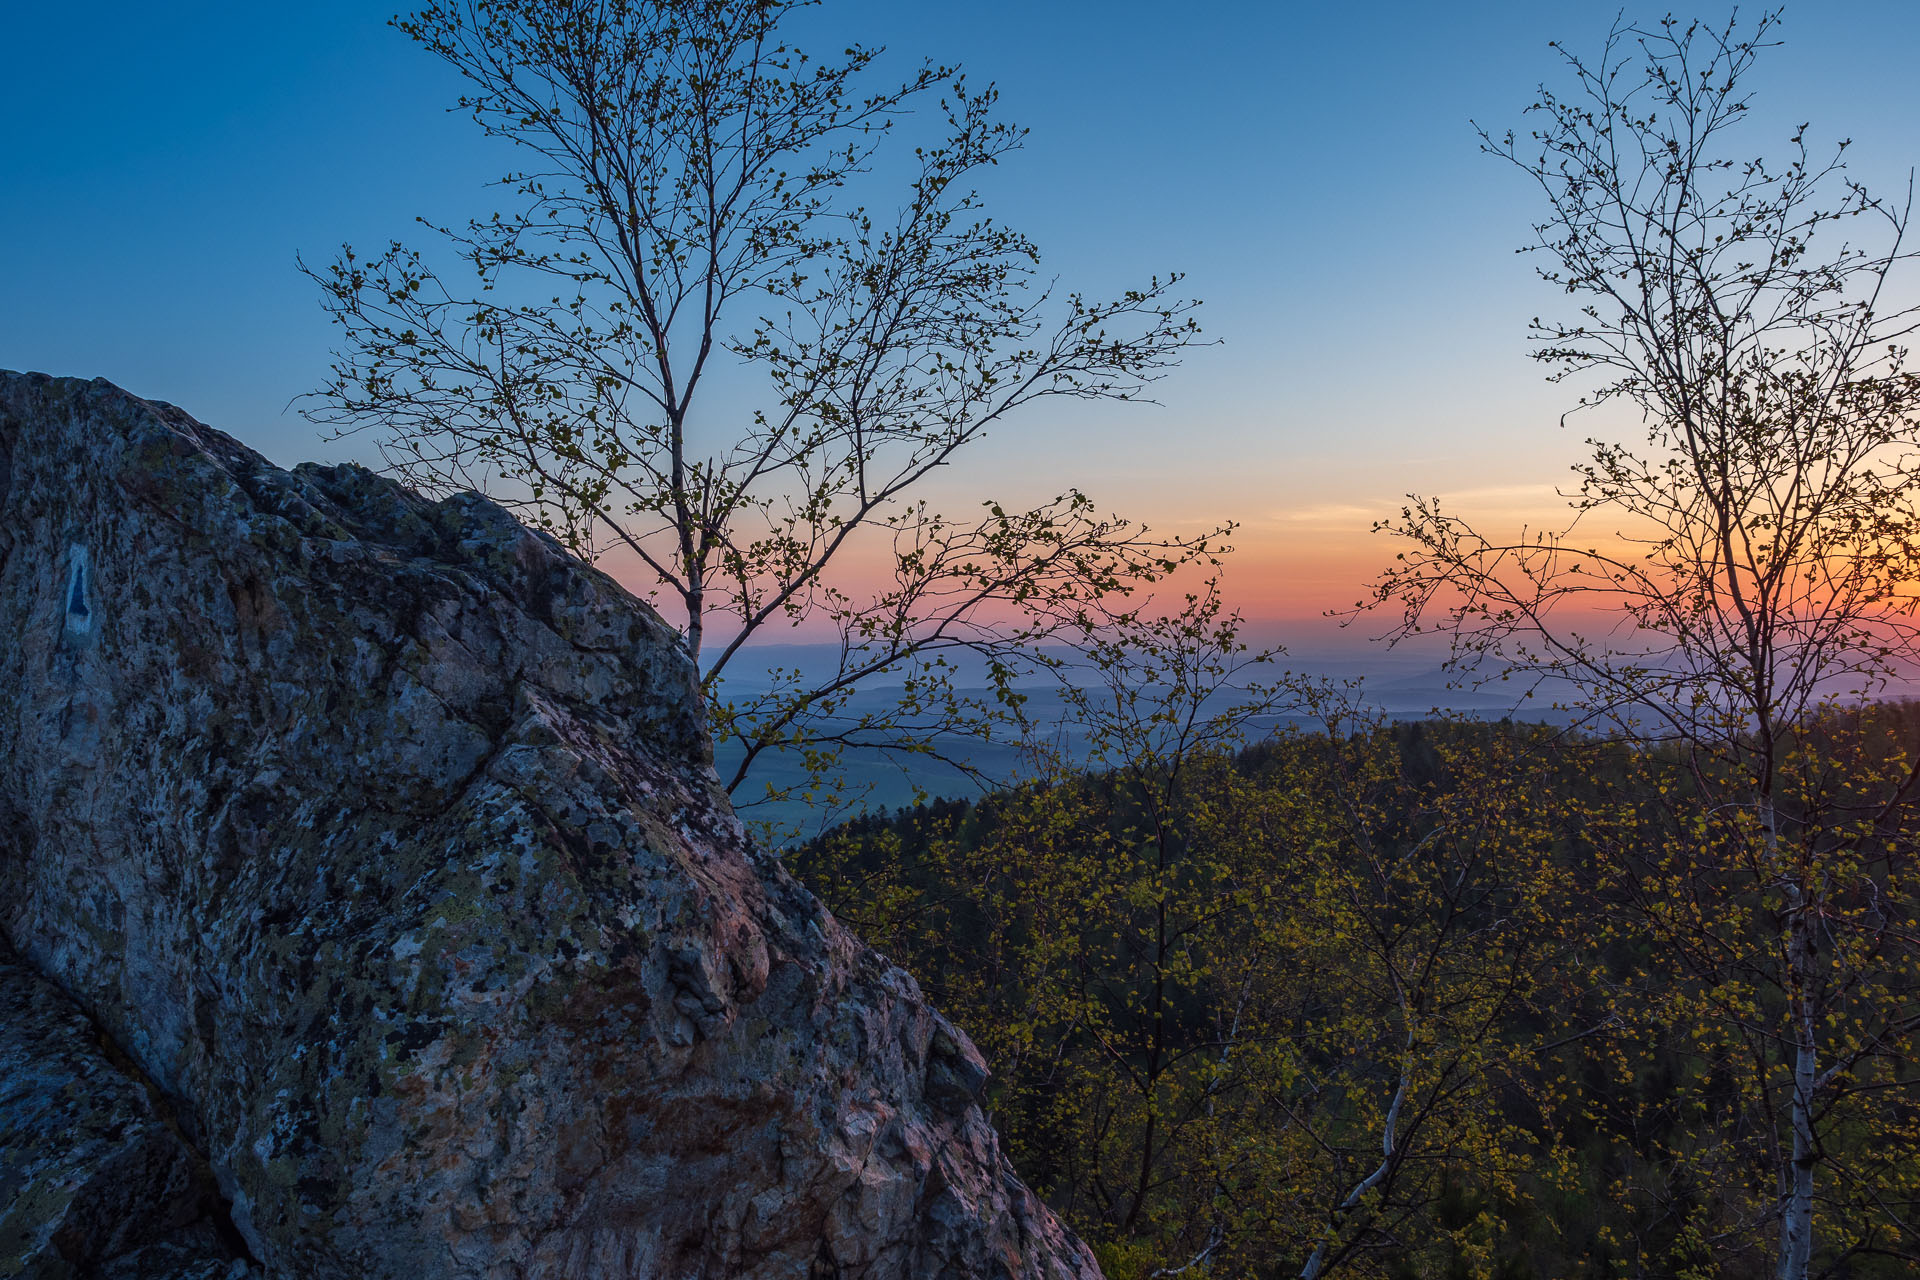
column 378, row 839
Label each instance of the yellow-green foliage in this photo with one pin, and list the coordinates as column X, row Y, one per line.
column 1422, row 1000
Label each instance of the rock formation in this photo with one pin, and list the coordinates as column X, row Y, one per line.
column 402, row 928
column 95, row 1179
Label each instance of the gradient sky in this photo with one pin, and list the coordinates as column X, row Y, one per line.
column 1311, row 167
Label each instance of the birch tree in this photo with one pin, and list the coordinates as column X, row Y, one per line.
column 692, row 224
column 1752, row 557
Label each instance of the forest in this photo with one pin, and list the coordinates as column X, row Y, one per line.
column 1441, row 998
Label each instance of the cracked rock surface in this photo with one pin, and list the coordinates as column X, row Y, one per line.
column 375, row 847
column 94, row 1181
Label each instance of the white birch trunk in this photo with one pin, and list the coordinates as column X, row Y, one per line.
column 1796, row 1181
column 1796, row 1217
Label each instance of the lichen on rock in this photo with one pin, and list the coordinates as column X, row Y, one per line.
column 381, row 836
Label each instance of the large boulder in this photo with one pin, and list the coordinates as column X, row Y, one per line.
column 379, row 840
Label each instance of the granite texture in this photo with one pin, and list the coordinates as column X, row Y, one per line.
column 377, row 840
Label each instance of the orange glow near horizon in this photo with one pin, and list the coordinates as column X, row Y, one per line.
column 1286, row 573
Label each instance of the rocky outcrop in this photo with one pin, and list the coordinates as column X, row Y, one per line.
column 94, row 1178
column 376, row 842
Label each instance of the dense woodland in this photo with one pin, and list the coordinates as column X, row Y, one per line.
column 1428, row 999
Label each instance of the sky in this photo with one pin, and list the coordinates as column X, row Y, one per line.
column 1312, row 168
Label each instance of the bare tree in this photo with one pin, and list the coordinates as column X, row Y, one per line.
column 688, row 217
column 1756, row 556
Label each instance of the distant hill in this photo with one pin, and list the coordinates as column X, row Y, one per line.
column 1399, row 685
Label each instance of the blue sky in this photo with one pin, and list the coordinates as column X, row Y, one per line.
column 1311, row 168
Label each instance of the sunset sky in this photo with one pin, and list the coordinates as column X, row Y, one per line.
column 1311, row 167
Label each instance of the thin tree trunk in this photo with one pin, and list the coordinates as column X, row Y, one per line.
column 1796, row 1182
column 1317, row 1260
column 1796, row 1219
column 696, row 598
column 1389, row 1135
column 1155, row 1051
